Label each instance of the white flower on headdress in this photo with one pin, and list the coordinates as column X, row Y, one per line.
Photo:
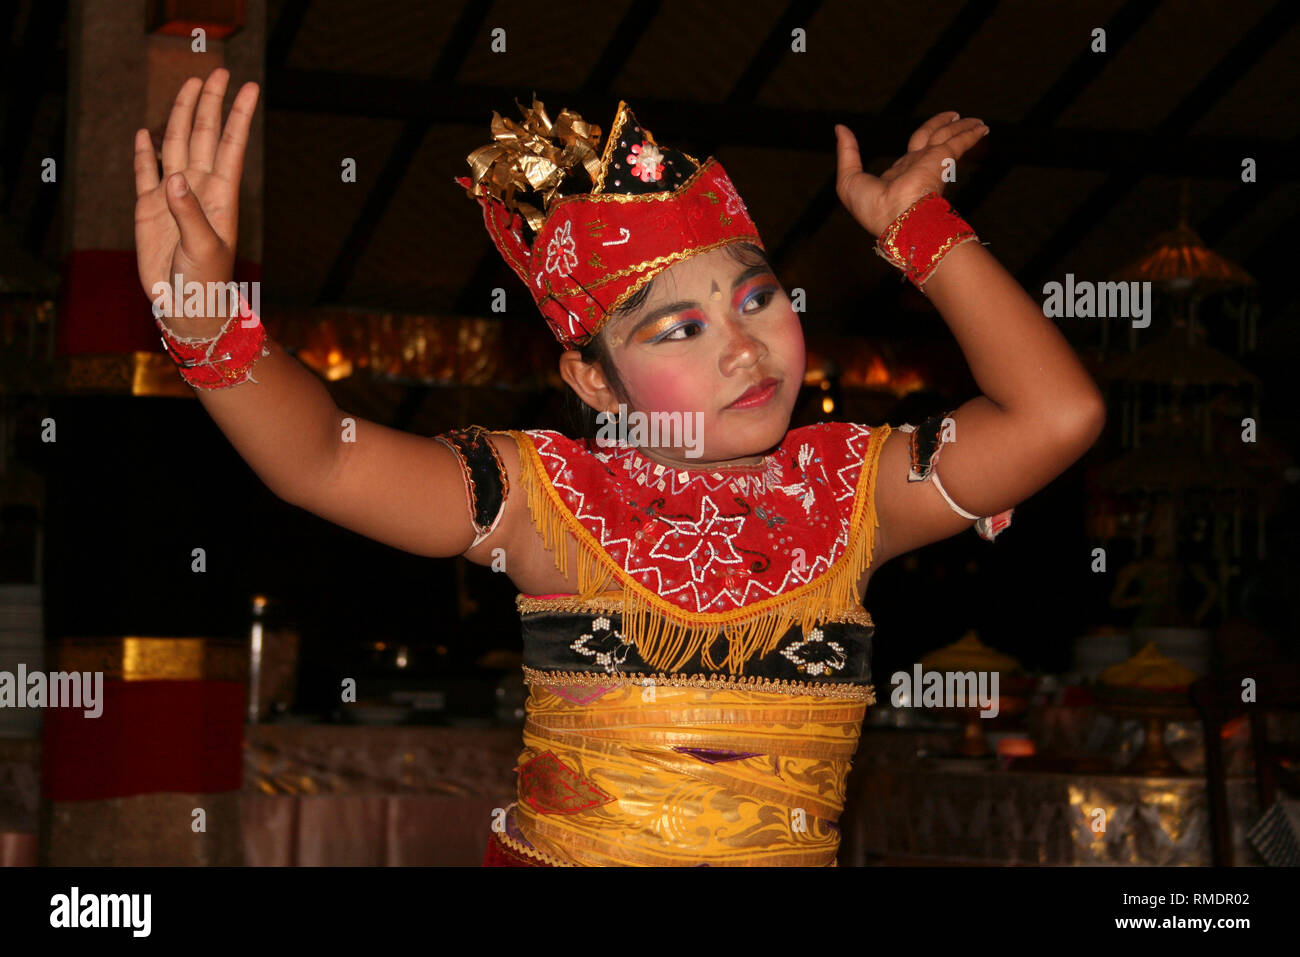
column 646, row 162
column 561, row 251
column 735, row 205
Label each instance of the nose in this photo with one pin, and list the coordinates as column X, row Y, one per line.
column 742, row 350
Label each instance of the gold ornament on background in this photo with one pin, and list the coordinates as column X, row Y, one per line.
column 524, row 157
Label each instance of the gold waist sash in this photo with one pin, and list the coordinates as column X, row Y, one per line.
column 608, row 782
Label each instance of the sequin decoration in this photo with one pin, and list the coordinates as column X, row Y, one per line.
column 646, row 162
column 714, row 541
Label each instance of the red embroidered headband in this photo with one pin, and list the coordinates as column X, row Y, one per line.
column 640, row 209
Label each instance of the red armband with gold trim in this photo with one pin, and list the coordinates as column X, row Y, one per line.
column 921, row 236
column 223, row 360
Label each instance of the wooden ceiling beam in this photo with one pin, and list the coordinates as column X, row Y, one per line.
column 400, row 157
column 1243, row 201
column 285, row 31
column 771, row 52
column 1218, row 80
column 892, row 128
column 619, row 47
column 750, row 127
column 1085, row 68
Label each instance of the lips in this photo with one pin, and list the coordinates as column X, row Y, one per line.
column 756, row 395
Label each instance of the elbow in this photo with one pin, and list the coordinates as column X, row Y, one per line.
column 293, row 491
column 285, row 493
column 310, row 488
column 1085, row 423
column 1097, row 419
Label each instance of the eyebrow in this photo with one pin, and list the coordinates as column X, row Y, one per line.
column 669, row 308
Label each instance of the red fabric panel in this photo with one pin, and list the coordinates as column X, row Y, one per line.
column 151, row 736
column 102, row 307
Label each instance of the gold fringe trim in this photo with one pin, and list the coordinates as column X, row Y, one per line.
column 667, row 636
column 612, row 603
column 846, row 692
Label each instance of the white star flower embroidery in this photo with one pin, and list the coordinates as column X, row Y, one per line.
column 703, row 542
column 561, row 251
column 734, row 203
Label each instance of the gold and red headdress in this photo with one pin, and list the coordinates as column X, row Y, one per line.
column 603, row 224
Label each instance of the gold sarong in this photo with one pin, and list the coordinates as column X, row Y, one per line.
column 660, row 775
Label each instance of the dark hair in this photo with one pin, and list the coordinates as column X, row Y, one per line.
column 597, row 349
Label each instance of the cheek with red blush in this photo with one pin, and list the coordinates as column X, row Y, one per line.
column 667, row 388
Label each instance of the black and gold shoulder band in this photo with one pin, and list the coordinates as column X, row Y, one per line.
column 486, row 483
column 925, row 445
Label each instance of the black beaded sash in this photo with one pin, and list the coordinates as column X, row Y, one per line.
column 575, row 642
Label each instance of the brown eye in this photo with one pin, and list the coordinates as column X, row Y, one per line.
column 766, row 295
column 688, row 330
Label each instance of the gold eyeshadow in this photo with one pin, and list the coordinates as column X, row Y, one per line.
column 652, row 330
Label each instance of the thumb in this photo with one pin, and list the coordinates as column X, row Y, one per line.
column 198, row 239
column 847, row 157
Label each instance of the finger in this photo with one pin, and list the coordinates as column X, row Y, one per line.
column 944, row 134
column 921, row 138
column 959, row 144
column 199, row 240
column 176, row 140
column 146, row 163
column 230, row 154
column 207, row 125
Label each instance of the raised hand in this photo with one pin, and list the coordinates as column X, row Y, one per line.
column 193, row 233
column 876, row 201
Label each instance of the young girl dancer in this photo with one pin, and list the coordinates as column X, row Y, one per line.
column 695, row 644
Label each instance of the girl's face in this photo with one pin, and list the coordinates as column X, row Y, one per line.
column 718, row 338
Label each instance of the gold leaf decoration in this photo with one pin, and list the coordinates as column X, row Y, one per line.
column 526, row 157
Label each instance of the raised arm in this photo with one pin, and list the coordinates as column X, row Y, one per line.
column 401, row 489
column 1039, row 410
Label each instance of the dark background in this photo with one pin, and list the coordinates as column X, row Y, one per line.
column 1086, row 160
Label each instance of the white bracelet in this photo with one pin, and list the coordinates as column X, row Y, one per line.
column 934, row 475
